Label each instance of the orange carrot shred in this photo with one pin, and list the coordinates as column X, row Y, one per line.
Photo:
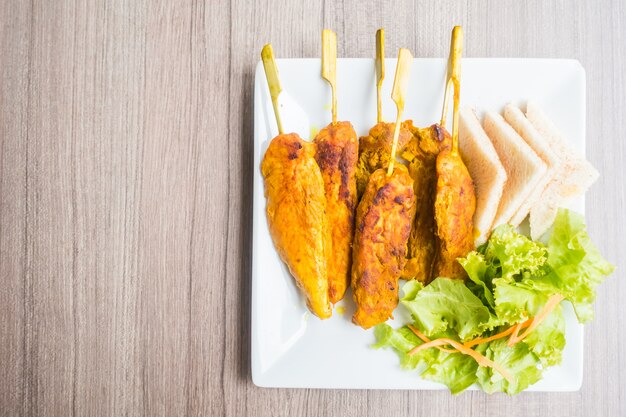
column 426, row 339
column 516, row 328
column 495, row 336
column 482, row 360
column 547, row 309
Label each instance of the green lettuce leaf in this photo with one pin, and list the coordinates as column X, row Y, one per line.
column 548, row 339
column 402, row 341
column 577, row 265
column 481, row 273
column 518, row 301
column 513, row 253
column 518, row 360
column 447, row 304
column 410, row 289
column 455, row 370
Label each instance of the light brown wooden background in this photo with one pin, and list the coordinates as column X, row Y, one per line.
column 125, row 196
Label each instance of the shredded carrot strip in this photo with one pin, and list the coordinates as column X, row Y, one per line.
column 495, row 336
column 547, row 309
column 482, row 360
column 516, row 328
column 426, row 339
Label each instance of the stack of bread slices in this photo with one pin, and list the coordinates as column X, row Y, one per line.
column 521, row 166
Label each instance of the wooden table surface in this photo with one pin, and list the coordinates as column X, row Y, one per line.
column 125, row 197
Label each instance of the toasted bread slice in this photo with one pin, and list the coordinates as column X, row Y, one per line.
column 514, row 116
column 486, row 170
column 573, row 177
column 523, row 167
column 542, row 216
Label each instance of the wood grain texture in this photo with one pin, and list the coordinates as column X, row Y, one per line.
column 125, row 196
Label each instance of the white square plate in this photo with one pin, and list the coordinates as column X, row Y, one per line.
column 290, row 346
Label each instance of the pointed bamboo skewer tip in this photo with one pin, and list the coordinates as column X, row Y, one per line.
column 457, row 52
column 380, row 72
column 453, row 81
column 273, row 81
column 456, row 46
column 329, row 65
column 401, row 79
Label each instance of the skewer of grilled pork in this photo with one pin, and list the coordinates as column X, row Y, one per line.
column 296, row 205
column 375, row 149
column 421, row 151
column 455, row 198
column 383, row 224
column 337, row 153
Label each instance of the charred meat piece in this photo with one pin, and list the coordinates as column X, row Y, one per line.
column 383, row 225
column 337, row 153
column 421, row 152
column 375, row 151
column 455, row 203
column 296, row 214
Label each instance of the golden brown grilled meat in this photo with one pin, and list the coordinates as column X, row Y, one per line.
column 421, row 152
column 337, row 152
column 455, row 203
column 383, row 224
column 375, row 151
column 296, row 214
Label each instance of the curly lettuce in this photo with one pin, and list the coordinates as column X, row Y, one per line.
column 511, row 278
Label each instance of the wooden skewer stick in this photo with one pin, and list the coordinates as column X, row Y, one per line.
column 329, row 65
column 456, row 46
column 380, row 72
column 271, row 73
column 446, row 94
column 403, row 69
column 457, row 51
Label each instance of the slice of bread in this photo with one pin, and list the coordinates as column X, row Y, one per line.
column 573, row 177
column 515, row 117
column 523, row 167
column 486, row 171
column 542, row 215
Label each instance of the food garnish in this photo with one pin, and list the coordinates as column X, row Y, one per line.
column 510, row 310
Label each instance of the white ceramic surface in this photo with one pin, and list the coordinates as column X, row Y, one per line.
column 290, row 346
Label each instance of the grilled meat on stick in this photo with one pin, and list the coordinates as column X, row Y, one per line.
column 383, row 224
column 442, row 230
column 455, row 199
column 420, row 147
column 421, row 152
column 337, row 151
column 375, row 149
column 296, row 205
